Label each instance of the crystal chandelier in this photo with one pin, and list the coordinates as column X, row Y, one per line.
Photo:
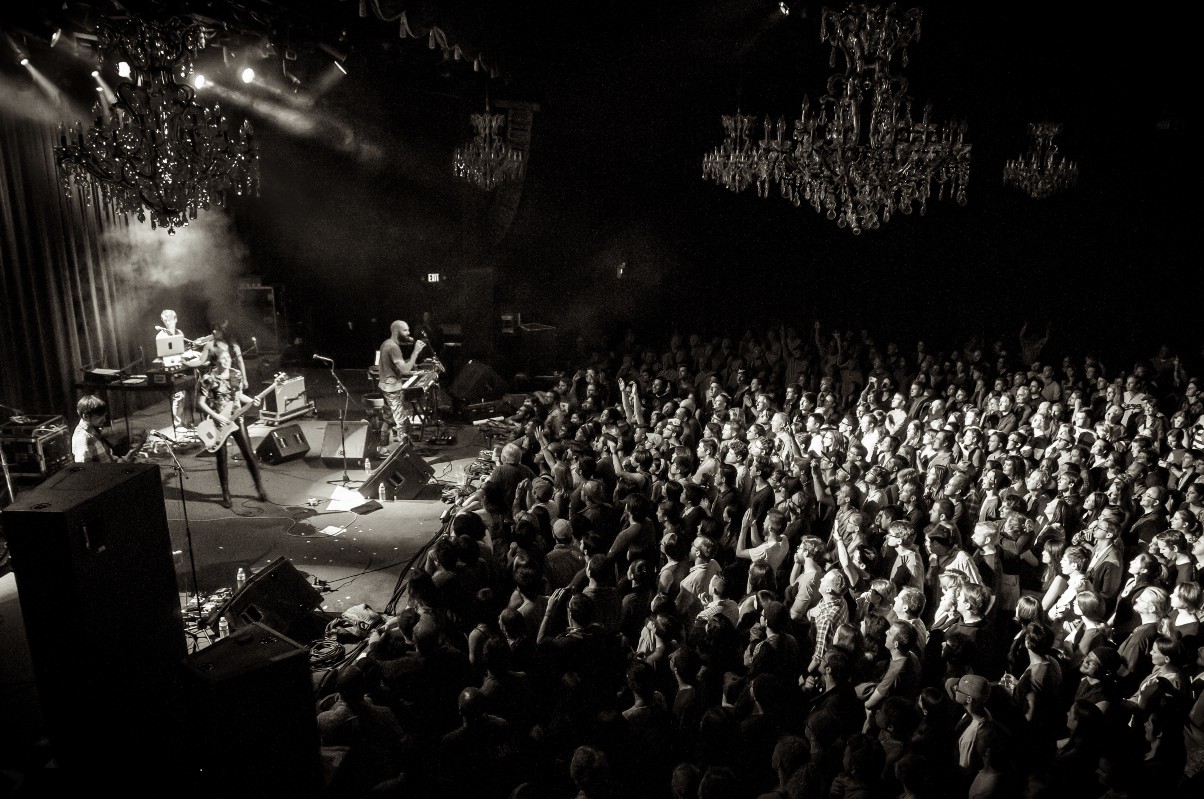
column 488, row 160
column 859, row 155
column 156, row 152
column 1040, row 172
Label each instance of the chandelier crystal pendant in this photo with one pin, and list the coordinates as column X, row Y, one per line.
column 858, row 156
column 1040, row 172
column 157, row 153
column 488, row 161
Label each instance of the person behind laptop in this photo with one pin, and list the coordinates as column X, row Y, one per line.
column 167, row 331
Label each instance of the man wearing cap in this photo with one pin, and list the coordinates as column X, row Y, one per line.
column 971, row 692
column 565, row 559
column 830, row 613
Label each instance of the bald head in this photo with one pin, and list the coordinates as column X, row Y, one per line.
column 399, row 329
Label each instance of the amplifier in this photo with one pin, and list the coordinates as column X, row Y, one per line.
column 287, row 401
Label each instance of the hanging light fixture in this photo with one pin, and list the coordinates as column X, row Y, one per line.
column 488, row 160
column 1041, row 173
column 858, row 156
column 158, row 154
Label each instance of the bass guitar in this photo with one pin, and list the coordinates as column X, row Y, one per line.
column 214, row 435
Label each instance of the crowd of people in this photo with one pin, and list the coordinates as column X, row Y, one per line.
column 788, row 566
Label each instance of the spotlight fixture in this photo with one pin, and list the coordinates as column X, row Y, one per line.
column 123, row 69
column 247, row 75
column 199, row 81
column 96, row 73
column 24, row 61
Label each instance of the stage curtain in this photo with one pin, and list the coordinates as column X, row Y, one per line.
column 65, row 306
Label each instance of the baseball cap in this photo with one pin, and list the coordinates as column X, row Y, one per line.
column 974, row 686
column 562, row 530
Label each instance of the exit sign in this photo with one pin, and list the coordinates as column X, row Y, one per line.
column 432, row 277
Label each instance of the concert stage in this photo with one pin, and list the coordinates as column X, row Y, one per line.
column 354, row 557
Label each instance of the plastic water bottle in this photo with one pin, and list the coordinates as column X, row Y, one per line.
column 368, row 465
column 223, row 628
column 380, row 491
column 240, row 579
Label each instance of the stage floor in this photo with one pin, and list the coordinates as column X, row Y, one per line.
column 359, row 557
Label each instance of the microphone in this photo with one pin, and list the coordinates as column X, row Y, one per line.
column 158, row 435
column 323, row 358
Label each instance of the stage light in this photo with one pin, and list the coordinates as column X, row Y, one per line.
column 785, row 9
column 54, row 37
column 123, row 69
column 199, row 81
column 248, row 75
column 96, row 73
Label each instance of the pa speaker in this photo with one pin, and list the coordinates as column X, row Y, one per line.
column 277, row 595
column 358, row 438
column 477, row 382
column 92, row 558
column 403, row 474
column 254, row 730
column 283, row 444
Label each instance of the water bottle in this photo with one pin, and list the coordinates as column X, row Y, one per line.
column 240, row 579
column 380, row 491
column 223, row 628
column 368, row 465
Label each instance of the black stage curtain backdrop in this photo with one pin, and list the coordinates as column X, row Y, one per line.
column 65, row 306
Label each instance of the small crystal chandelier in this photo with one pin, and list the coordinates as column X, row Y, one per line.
column 157, row 153
column 488, row 160
column 1040, row 172
column 858, row 156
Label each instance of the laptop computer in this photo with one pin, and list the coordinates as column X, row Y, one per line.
column 169, row 346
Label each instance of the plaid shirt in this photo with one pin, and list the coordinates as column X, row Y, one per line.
column 87, row 446
column 829, row 614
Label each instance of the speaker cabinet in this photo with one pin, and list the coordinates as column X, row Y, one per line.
column 403, row 474
column 477, row 382
column 277, row 595
column 361, row 442
column 91, row 553
column 283, row 444
column 251, row 702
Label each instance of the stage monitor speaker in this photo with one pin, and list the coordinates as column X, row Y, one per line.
column 277, row 595
column 403, row 474
column 92, row 558
column 283, row 444
column 251, row 703
column 361, row 442
column 477, row 382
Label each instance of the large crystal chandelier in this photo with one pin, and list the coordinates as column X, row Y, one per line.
column 157, row 153
column 1040, row 172
column 859, row 155
column 488, row 160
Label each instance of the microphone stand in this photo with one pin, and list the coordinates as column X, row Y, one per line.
column 181, row 477
column 342, row 389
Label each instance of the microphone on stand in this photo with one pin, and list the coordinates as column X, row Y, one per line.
column 323, row 359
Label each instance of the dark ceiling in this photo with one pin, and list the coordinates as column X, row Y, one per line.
column 630, row 96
